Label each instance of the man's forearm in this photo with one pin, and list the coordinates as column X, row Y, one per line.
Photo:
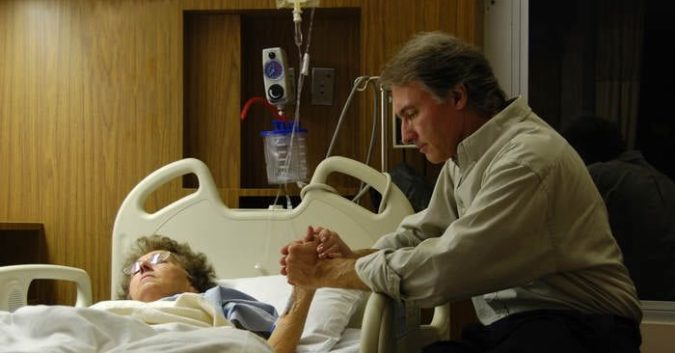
column 341, row 272
column 362, row 252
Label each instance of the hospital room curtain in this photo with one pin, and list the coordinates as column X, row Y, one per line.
column 618, row 60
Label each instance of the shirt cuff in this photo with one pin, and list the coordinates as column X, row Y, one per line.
column 375, row 272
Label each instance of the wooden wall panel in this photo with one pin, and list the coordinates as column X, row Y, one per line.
column 387, row 25
column 92, row 100
column 212, row 94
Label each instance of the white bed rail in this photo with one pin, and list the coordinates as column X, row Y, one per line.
column 16, row 279
column 384, row 332
column 202, row 219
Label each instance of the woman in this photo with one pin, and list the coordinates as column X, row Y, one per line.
column 161, row 268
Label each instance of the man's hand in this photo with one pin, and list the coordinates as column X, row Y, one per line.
column 330, row 244
column 301, row 264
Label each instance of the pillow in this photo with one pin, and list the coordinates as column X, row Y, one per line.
column 273, row 290
column 328, row 315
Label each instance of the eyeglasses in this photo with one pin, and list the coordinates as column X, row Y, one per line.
column 157, row 258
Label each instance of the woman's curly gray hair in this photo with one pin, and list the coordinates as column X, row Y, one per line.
column 200, row 272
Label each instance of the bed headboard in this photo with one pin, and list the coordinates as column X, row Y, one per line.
column 246, row 242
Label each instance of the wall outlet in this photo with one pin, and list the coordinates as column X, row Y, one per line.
column 323, row 85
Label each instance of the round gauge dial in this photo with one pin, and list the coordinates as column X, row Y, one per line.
column 273, row 69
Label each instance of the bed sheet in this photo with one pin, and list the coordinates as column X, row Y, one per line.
column 58, row 329
column 166, row 326
column 349, row 342
column 70, row 329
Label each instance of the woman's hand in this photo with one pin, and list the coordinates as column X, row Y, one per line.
column 301, row 264
column 299, row 261
column 284, row 256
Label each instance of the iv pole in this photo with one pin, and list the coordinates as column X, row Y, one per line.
column 361, row 84
column 384, row 113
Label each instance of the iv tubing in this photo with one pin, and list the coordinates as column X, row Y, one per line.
column 304, row 65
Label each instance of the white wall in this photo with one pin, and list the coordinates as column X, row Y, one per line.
column 506, row 42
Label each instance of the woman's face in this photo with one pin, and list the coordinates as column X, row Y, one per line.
column 156, row 275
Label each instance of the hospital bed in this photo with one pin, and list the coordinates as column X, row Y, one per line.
column 243, row 245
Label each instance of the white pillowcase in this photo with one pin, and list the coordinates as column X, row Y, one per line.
column 328, row 315
column 273, row 290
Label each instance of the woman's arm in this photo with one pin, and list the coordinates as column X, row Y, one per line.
column 286, row 334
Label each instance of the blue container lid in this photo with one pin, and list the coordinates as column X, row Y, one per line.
column 282, row 128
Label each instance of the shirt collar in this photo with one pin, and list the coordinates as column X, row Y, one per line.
column 472, row 148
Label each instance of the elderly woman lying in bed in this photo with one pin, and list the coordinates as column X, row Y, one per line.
column 161, row 269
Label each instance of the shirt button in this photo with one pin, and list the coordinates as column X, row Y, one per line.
column 460, row 207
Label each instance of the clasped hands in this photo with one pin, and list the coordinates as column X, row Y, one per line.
column 302, row 260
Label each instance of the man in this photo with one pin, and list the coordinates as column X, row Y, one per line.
column 514, row 222
column 640, row 202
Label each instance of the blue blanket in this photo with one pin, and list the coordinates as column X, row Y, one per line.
column 242, row 310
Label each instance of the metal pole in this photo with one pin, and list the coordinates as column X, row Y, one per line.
column 384, row 113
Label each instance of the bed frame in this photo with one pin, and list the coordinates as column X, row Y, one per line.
column 246, row 242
